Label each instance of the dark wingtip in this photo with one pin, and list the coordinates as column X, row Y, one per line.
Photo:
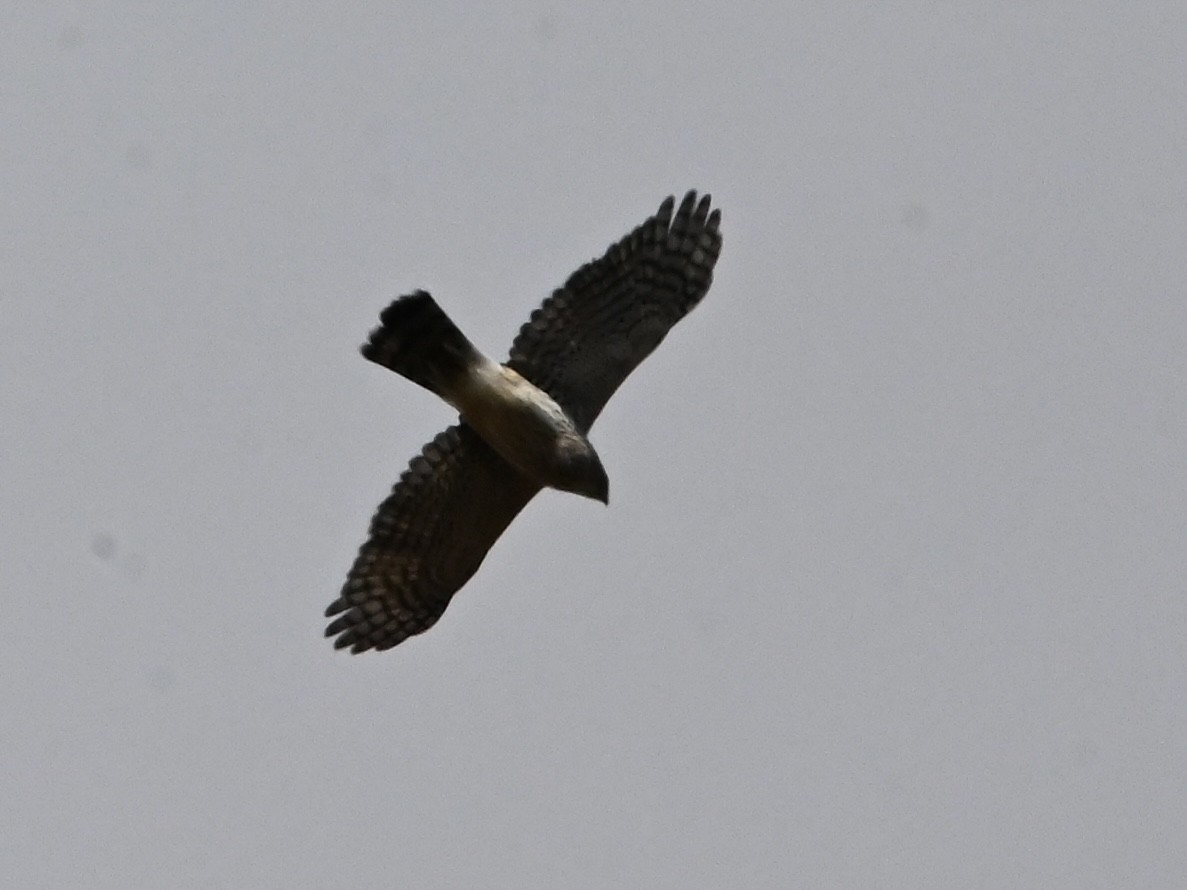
column 360, row 647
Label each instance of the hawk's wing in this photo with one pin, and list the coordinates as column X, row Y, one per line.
column 612, row 312
column 427, row 539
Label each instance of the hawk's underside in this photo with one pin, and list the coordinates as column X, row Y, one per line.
column 523, row 424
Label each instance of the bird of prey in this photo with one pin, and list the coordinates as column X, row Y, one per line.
column 523, row 424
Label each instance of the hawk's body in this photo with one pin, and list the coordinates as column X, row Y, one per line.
column 524, row 424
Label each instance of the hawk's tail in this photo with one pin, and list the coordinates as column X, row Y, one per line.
column 417, row 340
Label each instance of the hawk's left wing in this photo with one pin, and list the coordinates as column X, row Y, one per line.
column 426, row 540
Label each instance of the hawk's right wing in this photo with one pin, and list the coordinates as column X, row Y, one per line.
column 612, row 312
column 426, row 540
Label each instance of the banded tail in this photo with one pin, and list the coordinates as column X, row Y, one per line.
column 417, row 340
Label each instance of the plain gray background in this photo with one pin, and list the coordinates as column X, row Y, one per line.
column 891, row 589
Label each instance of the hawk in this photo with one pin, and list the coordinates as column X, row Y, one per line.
column 523, row 424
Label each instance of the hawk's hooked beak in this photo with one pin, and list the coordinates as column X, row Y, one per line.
column 602, row 490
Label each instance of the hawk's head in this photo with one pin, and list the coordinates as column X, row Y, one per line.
column 579, row 469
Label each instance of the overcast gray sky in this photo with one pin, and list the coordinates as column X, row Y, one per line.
column 891, row 592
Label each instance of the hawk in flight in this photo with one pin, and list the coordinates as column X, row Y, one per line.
column 523, row 424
